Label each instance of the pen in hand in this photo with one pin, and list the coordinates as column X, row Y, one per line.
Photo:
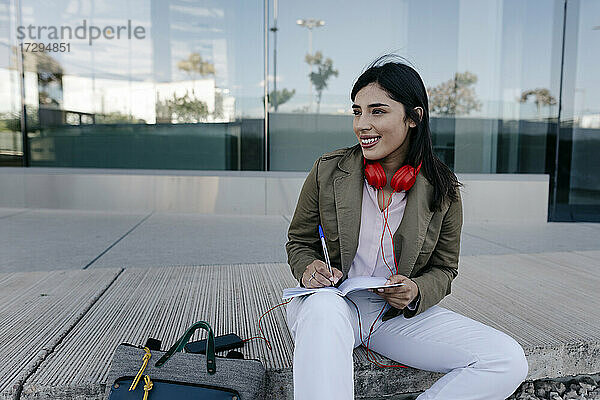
column 325, row 252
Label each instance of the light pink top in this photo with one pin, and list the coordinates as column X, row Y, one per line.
column 369, row 257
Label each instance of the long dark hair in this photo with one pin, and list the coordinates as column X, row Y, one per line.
column 404, row 85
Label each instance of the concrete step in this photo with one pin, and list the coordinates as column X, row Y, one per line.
column 37, row 310
column 545, row 301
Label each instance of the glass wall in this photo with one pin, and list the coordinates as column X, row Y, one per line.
column 179, row 84
column 488, row 67
column 11, row 151
column 577, row 190
column 493, row 71
column 140, row 84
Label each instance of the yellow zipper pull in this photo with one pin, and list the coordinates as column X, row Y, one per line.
column 147, row 386
column 141, row 371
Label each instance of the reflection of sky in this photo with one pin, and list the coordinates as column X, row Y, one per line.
column 510, row 45
column 492, row 39
column 587, row 95
column 225, row 33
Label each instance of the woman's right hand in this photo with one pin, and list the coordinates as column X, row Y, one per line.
column 317, row 275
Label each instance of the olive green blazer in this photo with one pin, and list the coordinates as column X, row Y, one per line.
column 428, row 242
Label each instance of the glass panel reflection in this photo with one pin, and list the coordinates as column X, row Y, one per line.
column 490, row 69
column 578, row 182
column 11, row 146
column 159, row 84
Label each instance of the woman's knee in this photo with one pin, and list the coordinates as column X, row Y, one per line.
column 519, row 361
column 509, row 357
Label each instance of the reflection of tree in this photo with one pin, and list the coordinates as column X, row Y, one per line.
column 542, row 97
column 455, row 96
column 189, row 108
column 281, row 95
column 194, row 65
column 10, row 122
column 302, row 109
column 325, row 71
column 182, row 109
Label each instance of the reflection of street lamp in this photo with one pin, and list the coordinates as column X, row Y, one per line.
column 310, row 24
column 274, row 30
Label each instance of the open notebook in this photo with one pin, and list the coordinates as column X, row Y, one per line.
column 349, row 285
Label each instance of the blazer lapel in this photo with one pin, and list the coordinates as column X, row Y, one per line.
column 348, row 187
column 409, row 237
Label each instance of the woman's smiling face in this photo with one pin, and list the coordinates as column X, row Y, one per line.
column 379, row 124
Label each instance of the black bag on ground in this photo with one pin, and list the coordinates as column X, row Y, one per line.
column 139, row 373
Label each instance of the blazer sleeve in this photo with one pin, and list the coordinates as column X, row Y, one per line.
column 303, row 245
column 434, row 283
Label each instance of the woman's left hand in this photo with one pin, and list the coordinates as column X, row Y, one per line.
column 398, row 296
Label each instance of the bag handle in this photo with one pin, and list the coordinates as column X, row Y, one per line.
column 211, row 367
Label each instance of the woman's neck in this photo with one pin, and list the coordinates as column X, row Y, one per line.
column 392, row 163
column 396, row 159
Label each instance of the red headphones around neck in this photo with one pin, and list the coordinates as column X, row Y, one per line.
column 403, row 179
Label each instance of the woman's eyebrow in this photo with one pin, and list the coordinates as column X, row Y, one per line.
column 371, row 105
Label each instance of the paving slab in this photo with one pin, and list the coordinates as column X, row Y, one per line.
column 538, row 238
column 188, row 239
column 9, row 212
column 594, row 225
column 40, row 239
column 547, row 302
column 593, row 254
column 37, row 310
column 473, row 245
column 59, row 239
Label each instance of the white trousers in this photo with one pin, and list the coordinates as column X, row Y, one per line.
column 480, row 362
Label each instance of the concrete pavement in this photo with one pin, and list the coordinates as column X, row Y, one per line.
column 73, row 284
column 45, row 240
